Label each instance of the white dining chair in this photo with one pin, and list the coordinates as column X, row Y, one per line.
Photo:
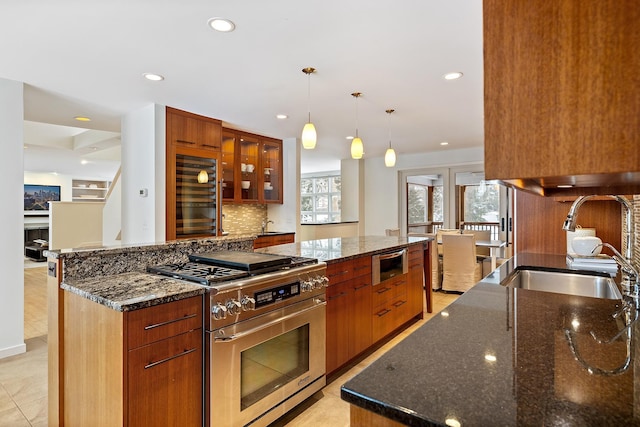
column 461, row 269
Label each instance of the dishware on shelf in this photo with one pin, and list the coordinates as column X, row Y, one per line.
column 246, row 185
column 268, row 186
column 267, row 171
column 243, row 167
column 93, row 185
column 250, row 167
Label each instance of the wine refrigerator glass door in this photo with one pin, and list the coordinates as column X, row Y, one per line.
column 196, row 196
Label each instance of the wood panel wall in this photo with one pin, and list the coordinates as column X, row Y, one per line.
column 538, row 223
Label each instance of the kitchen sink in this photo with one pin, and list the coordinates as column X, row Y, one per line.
column 564, row 283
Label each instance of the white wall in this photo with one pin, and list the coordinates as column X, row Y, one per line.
column 382, row 197
column 286, row 217
column 11, row 194
column 143, row 167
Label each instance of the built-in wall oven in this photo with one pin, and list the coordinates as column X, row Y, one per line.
column 265, row 337
column 388, row 265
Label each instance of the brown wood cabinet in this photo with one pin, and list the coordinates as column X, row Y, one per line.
column 348, row 310
column 272, row 240
column 359, row 314
column 251, row 168
column 192, row 175
column 141, row 367
column 560, row 99
column 190, row 130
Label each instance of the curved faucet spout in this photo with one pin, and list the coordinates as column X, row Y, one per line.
column 572, row 217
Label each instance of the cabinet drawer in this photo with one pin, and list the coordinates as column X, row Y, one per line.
column 388, row 316
column 151, row 324
column 166, row 371
column 346, row 270
column 388, row 289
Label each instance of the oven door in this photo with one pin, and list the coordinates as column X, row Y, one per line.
column 258, row 364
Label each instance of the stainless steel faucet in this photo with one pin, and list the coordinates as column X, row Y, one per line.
column 572, row 216
column 625, row 262
column 265, row 224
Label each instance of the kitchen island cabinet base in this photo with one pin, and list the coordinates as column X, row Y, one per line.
column 362, row 418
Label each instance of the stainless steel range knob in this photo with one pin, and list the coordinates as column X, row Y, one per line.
column 318, row 282
column 233, row 307
column 306, row 285
column 219, row 312
column 248, row 303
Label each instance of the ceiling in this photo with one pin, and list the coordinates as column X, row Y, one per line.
column 87, row 58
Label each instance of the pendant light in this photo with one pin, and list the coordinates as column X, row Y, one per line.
column 309, row 136
column 203, row 177
column 357, row 149
column 390, row 155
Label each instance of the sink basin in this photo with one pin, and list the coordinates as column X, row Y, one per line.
column 565, row 283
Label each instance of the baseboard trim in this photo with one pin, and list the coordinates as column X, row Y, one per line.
column 12, row 351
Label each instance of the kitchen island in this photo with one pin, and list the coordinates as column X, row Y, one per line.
column 501, row 357
column 376, row 288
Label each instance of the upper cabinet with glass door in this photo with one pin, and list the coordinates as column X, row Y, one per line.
column 271, row 169
column 251, row 168
column 249, row 164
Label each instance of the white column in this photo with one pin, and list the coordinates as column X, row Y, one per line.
column 143, row 175
column 11, row 194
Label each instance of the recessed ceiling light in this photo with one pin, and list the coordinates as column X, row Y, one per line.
column 153, row 77
column 221, row 24
column 444, row 143
column 453, row 76
column 84, row 162
column 444, row 313
column 281, row 116
column 349, row 137
column 565, row 186
column 82, row 119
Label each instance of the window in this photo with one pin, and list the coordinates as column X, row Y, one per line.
column 480, row 208
column 320, row 199
column 425, row 209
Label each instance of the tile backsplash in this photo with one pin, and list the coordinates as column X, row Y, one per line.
column 243, row 219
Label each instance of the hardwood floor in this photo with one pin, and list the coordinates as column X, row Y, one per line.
column 23, row 378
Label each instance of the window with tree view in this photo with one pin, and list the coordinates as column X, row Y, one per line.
column 424, row 207
column 320, row 199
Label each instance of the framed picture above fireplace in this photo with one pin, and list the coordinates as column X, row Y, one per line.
column 37, row 198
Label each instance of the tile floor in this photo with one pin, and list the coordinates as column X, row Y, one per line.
column 23, row 378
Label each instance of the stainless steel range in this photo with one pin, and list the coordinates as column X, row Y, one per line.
column 265, row 335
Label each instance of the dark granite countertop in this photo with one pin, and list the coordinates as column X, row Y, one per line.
column 132, row 291
column 343, row 248
column 501, row 357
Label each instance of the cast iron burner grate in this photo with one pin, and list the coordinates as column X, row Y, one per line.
column 197, row 272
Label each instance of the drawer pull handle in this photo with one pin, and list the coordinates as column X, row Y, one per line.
column 357, row 288
column 383, row 312
column 157, row 325
column 400, row 282
column 211, row 145
column 185, row 141
column 383, row 290
column 340, row 273
column 175, row 356
column 341, row 294
column 398, row 303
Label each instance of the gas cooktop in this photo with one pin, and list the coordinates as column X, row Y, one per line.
column 222, row 266
column 197, row 272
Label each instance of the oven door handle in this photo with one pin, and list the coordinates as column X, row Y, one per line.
column 265, row 325
column 392, row 254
